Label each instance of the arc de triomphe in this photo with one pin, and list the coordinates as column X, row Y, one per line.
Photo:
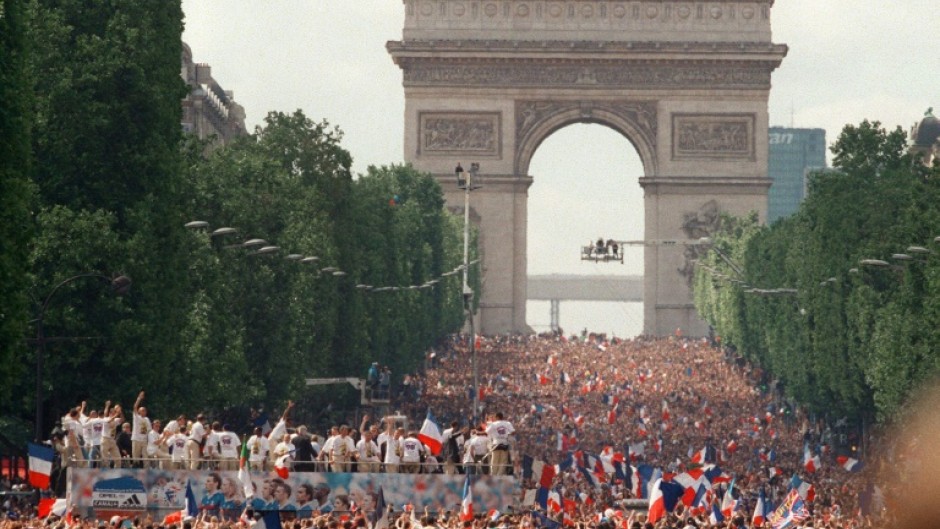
column 685, row 81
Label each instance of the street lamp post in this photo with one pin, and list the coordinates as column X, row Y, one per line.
column 120, row 285
column 467, row 182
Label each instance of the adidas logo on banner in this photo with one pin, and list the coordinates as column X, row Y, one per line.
column 131, row 501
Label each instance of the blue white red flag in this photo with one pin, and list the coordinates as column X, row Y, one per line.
column 850, row 463
column 664, row 496
column 804, row 489
column 466, row 504
column 761, row 511
column 40, row 465
column 430, row 434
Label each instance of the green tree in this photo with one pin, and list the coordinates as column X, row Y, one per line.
column 845, row 338
column 106, row 144
column 16, row 196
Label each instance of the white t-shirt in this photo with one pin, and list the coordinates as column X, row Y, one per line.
column 499, row 432
column 392, row 451
column 153, row 441
column 368, row 451
column 109, row 426
column 257, row 448
column 172, row 427
column 198, row 432
column 411, row 450
column 212, row 443
column 229, row 443
column 73, row 429
column 141, row 428
column 177, row 444
column 94, row 429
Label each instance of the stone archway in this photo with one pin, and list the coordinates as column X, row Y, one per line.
column 685, row 81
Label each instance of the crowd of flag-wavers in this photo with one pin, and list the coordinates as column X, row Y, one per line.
column 541, row 384
column 105, row 439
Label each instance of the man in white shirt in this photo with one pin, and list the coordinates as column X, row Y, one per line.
column 277, row 433
column 92, row 431
column 411, row 452
column 197, row 435
column 477, row 447
column 72, row 425
column 110, row 454
column 210, row 452
column 154, row 443
column 173, row 427
column 393, row 451
column 499, row 432
column 367, row 453
column 140, row 430
column 341, row 450
column 177, row 445
column 257, row 450
column 229, row 445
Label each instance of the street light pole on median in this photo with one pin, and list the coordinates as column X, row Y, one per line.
column 120, row 285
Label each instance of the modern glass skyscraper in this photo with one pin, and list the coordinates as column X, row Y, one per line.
column 794, row 153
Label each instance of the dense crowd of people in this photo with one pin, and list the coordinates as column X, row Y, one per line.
column 622, row 411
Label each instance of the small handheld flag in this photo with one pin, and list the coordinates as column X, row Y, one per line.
column 466, row 505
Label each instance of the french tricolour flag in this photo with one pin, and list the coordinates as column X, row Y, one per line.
column 810, row 462
column 760, row 511
column 466, row 505
column 40, row 465
column 663, row 498
column 430, row 434
column 850, row 463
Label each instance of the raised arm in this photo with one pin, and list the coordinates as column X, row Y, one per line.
column 290, row 404
column 139, row 401
column 364, row 425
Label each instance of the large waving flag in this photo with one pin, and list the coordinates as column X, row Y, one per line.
column 791, row 511
column 466, row 504
column 664, row 496
column 40, row 465
column 430, row 434
column 690, row 481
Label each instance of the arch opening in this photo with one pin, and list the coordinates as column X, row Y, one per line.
column 585, row 186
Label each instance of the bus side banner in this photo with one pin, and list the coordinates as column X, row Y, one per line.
column 102, row 493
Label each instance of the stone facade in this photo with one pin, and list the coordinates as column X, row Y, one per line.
column 209, row 112
column 685, row 81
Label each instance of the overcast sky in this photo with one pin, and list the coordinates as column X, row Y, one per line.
column 849, row 60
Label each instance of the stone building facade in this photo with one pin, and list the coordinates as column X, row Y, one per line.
column 209, row 112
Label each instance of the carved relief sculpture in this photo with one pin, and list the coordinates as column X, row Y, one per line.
column 450, row 133
column 712, row 136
